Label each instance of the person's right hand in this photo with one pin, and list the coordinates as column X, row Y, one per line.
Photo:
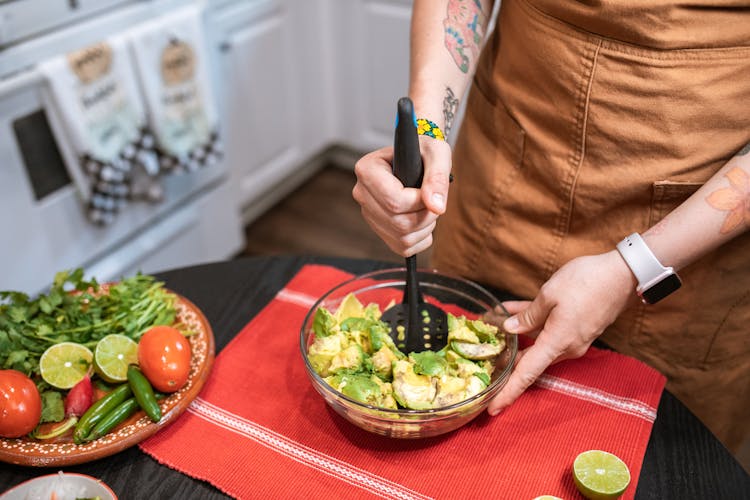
column 404, row 218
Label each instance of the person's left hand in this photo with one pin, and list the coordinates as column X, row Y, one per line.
column 570, row 311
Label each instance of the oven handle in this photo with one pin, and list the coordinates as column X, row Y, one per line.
column 114, row 265
column 22, row 80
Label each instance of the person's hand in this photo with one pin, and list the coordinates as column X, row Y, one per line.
column 570, row 311
column 404, row 218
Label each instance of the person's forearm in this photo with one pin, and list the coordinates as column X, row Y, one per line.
column 716, row 213
column 446, row 37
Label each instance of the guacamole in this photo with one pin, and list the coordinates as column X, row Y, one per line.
column 354, row 353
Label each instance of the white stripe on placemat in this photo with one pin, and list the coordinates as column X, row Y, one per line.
column 301, row 453
column 618, row 403
column 298, row 298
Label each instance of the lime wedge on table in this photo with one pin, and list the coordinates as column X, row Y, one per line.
column 112, row 356
column 65, row 364
column 600, row 475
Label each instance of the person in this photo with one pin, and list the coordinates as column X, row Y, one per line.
column 593, row 132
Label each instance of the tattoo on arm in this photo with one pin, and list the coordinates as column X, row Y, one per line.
column 744, row 150
column 450, row 107
column 464, row 30
column 734, row 199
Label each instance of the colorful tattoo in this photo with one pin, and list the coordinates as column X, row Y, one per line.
column 464, row 30
column 450, row 107
column 735, row 199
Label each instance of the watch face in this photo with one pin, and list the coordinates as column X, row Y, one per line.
column 660, row 290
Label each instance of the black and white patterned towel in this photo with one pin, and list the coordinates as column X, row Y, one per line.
column 172, row 65
column 101, row 121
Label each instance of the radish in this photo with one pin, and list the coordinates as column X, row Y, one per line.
column 79, row 398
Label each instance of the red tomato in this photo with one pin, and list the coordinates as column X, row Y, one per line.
column 20, row 404
column 164, row 358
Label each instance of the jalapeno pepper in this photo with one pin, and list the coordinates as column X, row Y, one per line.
column 99, row 410
column 113, row 418
column 143, row 393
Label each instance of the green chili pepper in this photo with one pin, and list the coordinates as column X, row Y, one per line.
column 113, row 418
column 144, row 393
column 99, row 410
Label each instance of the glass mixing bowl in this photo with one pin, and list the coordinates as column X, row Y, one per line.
column 455, row 295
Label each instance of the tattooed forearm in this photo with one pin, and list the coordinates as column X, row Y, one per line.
column 734, row 199
column 464, row 30
column 450, row 107
column 744, row 150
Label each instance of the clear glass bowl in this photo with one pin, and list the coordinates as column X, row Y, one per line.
column 381, row 287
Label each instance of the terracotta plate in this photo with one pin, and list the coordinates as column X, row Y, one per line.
column 63, row 451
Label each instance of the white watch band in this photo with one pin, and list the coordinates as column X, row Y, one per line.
column 642, row 261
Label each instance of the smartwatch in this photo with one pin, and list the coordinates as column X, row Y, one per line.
column 654, row 280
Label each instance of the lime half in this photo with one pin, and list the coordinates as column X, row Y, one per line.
column 600, row 475
column 112, row 356
column 65, row 364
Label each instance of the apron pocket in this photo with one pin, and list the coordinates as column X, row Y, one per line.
column 487, row 160
column 731, row 339
column 668, row 195
column 511, row 136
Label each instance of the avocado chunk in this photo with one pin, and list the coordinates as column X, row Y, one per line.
column 382, row 363
column 477, row 351
column 365, row 388
column 428, row 363
column 322, row 351
column 451, row 390
column 350, row 359
column 410, row 389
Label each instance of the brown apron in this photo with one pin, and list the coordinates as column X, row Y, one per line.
column 576, row 136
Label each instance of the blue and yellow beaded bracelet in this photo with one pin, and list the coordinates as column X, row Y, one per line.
column 429, row 128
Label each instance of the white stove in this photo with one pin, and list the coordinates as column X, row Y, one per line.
column 43, row 228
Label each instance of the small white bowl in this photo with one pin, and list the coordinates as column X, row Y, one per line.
column 64, row 485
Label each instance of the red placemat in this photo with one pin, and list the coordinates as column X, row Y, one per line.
column 260, row 430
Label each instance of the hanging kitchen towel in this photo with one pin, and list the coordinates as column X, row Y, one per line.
column 102, row 122
column 259, row 429
column 172, row 65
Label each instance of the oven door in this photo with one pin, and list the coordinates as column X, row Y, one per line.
column 44, row 228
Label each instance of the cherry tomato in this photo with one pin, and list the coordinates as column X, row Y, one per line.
column 164, row 358
column 20, row 404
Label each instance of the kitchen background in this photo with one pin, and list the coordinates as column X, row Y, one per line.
column 294, row 87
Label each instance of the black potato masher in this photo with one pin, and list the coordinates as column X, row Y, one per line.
column 416, row 326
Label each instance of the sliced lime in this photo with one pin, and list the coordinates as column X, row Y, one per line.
column 65, row 364
column 112, row 356
column 600, row 475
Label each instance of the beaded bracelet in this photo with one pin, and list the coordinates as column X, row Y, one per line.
column 429, row 128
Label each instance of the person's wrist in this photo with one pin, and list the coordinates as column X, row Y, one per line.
column 622, row 273
column 428, row 128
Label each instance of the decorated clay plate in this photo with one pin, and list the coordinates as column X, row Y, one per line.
column 63, row 451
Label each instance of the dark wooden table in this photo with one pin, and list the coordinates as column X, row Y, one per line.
column 683, row 459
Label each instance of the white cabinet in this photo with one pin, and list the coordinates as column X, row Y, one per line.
column 371, row 54
column 295, row 77
column 271, row 117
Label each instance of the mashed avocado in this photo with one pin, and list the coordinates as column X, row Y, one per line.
column 355, row 355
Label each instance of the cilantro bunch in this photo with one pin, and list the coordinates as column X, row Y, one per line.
column 75, row 310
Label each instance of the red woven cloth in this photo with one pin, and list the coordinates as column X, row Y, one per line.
column 260, row 430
